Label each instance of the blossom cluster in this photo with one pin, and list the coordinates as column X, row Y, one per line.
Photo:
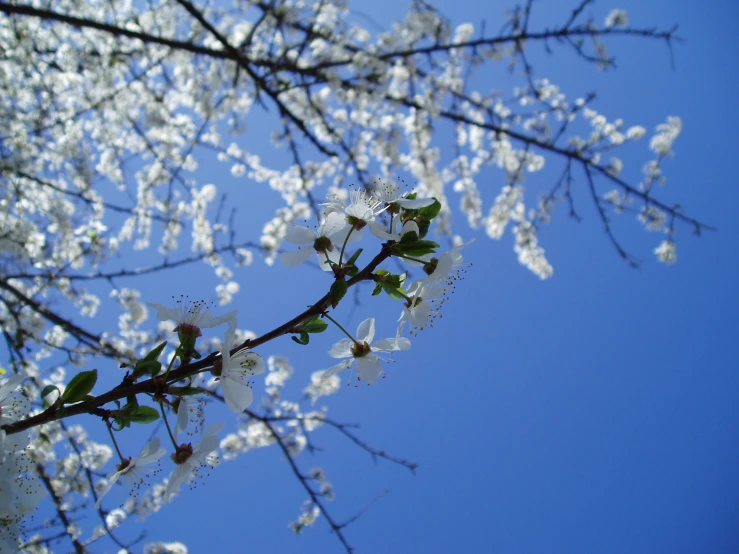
column 20, row 491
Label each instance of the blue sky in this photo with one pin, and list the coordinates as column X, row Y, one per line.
column 593, row 412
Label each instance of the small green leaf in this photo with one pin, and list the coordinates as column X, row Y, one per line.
column 430, row 212
column 142, row 414
column 318, row 326
column 410, row 236
column 396, row 293
column 378, row 289
column 48, row 390
column 80, row 386
column 353, row 259
column 154, row 354
column 338, row 290
column 149, row 367
column 304, row 338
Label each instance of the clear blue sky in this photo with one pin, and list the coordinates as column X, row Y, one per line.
column 593, row 412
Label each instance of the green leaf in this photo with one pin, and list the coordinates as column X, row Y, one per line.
column 396, row 293
column 154, row 354
column 304, row 338
column 150, row 367
column 338, row 290
column 378, row 289
column 353, row 259
column 80, row 386
column 142, row 414
column 411, row 236
column 430, row 212
column 48, row 389
column 315, row 327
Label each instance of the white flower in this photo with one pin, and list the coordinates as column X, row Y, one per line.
column 617, row 18
column 390, row 194
column 235, row 371
column 193, row 315
column 189, row 459
column 442, row 267
column 666, row 252
column 362, row 209
column 369, row 369
column 426, row 300
column 319, row 241
column 131, row 469
column 13, row 444
column 188, row 407
column 12, row 406
column 378, row 229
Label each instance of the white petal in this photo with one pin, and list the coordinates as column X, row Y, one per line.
column 390, row 345
column 415, row 203
column 341, row 366
column 207, row 320
column 334, row 223
column 237, row 393
column 212, row 429
column 206, row 446
column 378, row 230
column 420, row 314
column 180, row 473
column 112, row 479
column 410, row 227
column 11, row 384
column 292, row 259
column 255, row 365
column 33, row 493
column 333, row 256
column 366, row 330
column 369, row 369
column 342, row 349
column 300, row 235
column 151, row 453
column 164, row 313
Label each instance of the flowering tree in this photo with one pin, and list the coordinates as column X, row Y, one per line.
column 110, row 108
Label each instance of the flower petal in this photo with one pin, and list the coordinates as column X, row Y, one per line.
column 293, row 259
column 207, row 320
column 369, row 369
column 164, row 313
column 342, row 349
column 300, row 235
column 415, row 203
column 11, row 384
column 341, row 366
column 180, row 473
column 334, row 223
column 378, row 230
column 237, row 393
column 390, row 345
column 366, row 330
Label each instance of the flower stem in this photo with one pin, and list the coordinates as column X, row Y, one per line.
column 343, row 246
column 166, row 423
column 112, row 437
column 340, row 327
column 411, row 258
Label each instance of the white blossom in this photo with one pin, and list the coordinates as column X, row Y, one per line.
column 187, row 469
column 131, row 469
column 369, row 368
column 666, row 252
